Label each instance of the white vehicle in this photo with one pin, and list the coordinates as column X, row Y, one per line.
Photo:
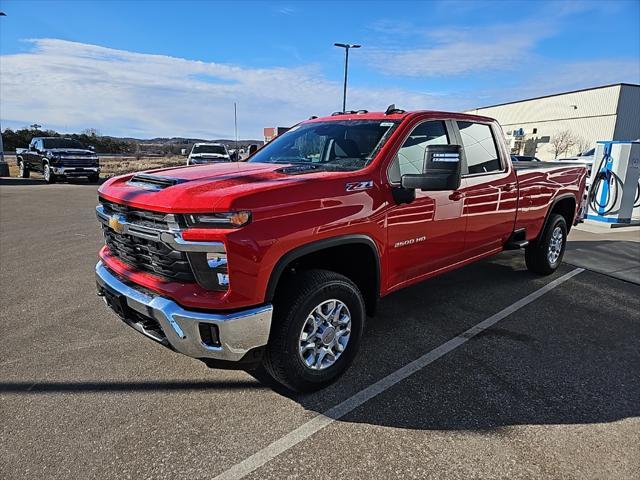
column 208, row 153
column 585, row 158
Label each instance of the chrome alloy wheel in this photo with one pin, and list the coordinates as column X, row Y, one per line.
column 555, row 245
column 21, row 166
column 325, row 334
column 47, row 172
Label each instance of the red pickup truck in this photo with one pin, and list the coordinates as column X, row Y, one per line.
column 276, row 262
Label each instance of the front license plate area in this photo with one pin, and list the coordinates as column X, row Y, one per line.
column 116, row 301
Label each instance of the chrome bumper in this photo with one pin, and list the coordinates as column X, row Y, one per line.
column 239, row 332
column 80, row 171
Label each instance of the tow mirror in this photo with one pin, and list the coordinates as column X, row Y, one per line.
column 441, row 170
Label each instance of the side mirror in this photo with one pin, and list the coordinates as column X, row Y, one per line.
column 92, row 148
column 441, row 170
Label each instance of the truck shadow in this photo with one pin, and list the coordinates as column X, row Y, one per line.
column 13, row 181
column 31, row 388
column 553, row 362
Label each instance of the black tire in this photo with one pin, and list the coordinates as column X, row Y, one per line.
column 537, row 254
column 94, row 178
column 24, row 170
column 49, row 176
column 297, row 298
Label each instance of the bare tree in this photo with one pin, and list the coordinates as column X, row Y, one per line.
column 91, row 132
column 582, row 144
column 562, row 142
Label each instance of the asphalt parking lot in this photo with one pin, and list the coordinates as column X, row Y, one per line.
column 551, row 390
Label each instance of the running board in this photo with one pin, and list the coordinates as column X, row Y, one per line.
column 517, row 240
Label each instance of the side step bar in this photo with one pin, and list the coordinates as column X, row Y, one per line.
column 517, row 240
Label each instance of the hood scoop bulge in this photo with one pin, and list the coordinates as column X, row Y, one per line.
column 153, row 182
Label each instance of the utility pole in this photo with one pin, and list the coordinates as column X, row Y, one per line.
column 346, row 47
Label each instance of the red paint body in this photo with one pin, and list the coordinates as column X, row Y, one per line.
column 292, row 211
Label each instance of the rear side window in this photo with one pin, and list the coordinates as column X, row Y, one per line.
column 479, row 148
column 410, row 157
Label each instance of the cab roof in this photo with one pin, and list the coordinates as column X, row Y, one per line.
column 400, row 115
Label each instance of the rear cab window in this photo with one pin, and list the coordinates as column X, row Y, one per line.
column 480, row 148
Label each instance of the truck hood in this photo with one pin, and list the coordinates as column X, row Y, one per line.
column 203, row 188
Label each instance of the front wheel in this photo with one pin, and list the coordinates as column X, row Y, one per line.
column 49, row 176
column 24, row 171
column 318, row 323
column 545, row 254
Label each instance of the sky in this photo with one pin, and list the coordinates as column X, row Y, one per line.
column 175, row 68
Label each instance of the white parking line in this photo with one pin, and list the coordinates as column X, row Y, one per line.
column 245, row 467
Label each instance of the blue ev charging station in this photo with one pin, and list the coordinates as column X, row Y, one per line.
column 614, row 196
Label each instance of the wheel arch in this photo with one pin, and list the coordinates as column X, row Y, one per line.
column 564, row 205
column 327, row 254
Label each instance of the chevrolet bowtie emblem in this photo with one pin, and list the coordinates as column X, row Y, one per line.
column 116, row 223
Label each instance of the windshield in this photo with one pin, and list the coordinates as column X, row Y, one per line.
column 61, row 143
column 209, row 149
column 333, row 145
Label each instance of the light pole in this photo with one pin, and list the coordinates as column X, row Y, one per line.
column 4, row 167
column 346, row 47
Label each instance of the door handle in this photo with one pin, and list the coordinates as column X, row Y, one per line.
column 508, row 187
column 455, row 196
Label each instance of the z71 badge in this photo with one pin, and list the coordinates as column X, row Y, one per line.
column 357, row 186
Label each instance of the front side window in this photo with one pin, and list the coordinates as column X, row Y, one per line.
column 333, row 145
column 479, row 148
column 410, row 157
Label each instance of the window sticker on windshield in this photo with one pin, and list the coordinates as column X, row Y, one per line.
column 386, row 124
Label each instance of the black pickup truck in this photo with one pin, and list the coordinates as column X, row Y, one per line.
column 58, row 158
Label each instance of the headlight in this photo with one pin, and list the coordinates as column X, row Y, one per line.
column 226, row 219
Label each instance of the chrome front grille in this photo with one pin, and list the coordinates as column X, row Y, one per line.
column 140, row 245
column 148, row 255
column 79, row 162
column 153, row 242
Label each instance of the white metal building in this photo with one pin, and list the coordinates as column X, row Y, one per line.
column 609, row 112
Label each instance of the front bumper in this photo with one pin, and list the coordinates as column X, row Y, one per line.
column 166, row 322
column 75, row 171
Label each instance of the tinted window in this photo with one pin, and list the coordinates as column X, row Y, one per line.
column 479, row 148
column 219, row 149
column 410, row 157
column 61, row 143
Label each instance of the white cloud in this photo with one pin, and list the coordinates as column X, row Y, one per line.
column 459, row 50
column 73, row 85
column 454, row 50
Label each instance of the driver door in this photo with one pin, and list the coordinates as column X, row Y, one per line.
column 428, row 233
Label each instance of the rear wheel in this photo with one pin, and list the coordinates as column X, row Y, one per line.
column 545, row 254
column 49, row 176
column 23, row 170
column 318, row 323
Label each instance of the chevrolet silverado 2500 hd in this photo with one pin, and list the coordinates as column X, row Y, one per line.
column 276, row 262
column 58, row 158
